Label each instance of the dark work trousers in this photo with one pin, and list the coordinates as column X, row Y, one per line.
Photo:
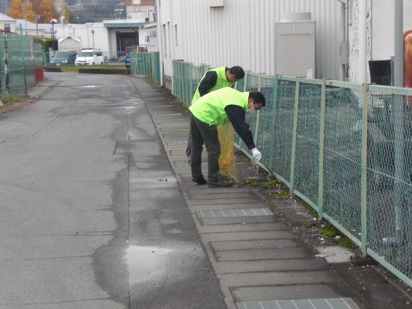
column 189, row 145
column 202, row 133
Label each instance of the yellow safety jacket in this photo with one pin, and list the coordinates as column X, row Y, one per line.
column 220, row 83
column 210, row 108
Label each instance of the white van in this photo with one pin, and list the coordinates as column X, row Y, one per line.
column 90, row 57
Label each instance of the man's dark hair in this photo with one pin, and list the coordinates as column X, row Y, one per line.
column 237, row 71
column 257, row 97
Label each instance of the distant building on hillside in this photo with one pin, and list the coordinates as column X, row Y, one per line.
column 141, row 10
column 89, row 13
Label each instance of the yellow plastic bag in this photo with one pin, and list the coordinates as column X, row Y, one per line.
column 227, row 164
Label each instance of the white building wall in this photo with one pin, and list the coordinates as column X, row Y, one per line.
column 140, row 13
column 113, row 53
column 380, row 25
column 382, row 30
column 243, row 31
column 148, row 37
column 383, row 27
column 151, row 31
column 100, row 37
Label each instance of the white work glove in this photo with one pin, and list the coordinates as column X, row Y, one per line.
column 257, row 155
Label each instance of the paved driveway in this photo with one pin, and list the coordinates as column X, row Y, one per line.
column 91, row 215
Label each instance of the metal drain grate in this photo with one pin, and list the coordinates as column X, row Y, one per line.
column 231, row 213
column 320, row 303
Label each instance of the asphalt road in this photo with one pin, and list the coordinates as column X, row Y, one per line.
column 91, row 215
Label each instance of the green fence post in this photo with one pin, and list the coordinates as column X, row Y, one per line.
column 174, row 77
column 294, row 137
column 272, row 122
column 364, row 169
column 258, row 112
column 239, row 140
column 157, row 60
column 184, row 82
column 178, row 84
column 321, row 149
column 191, row 78
column 399, row 147
column 23, row 59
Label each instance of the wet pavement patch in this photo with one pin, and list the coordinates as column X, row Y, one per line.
column 143, row 262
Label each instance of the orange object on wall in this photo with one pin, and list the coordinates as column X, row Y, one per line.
column 407, row 59
column 407, row 63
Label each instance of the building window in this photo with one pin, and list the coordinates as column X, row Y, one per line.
column 7, row 27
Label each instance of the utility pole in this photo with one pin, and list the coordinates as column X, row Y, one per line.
column 37, row 24
column 53, row 21
column 24, row 7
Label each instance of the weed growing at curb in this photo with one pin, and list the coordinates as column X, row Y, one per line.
column 9, row 99
column 334, row 236
column 12, row 101
column 269, row 189
column 270, row 184
column 182, row 104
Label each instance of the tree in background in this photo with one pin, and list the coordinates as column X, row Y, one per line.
column 66, row 13
column 21, row 9
column 73, row 19
column 46, row 10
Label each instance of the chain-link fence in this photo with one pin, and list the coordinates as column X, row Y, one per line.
column 344, row 148
column 146, row 64
column 21, row 63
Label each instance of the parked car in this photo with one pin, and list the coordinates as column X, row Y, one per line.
column 66, row 57
column 134, row 49
column 90, row 57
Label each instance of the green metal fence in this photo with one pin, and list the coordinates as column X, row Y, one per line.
column 344, row 148
column 145, row 64
column 21, row 63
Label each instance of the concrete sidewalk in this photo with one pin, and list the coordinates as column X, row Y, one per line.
column 259, row 260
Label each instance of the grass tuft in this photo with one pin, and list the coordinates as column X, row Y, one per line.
column 10, row 99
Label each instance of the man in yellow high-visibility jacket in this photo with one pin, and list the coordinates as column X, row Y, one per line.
column 212, row 80
column 210, row 112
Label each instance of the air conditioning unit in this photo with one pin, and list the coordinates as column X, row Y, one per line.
column 146, row 20
column 295, row 39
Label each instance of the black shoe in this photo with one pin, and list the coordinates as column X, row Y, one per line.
column 200, row 180
column 219, row 184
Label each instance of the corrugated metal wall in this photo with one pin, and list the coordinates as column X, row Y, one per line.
column 242, row 32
